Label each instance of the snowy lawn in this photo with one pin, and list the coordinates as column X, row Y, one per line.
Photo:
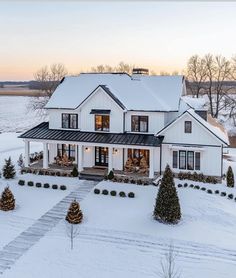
column 31, row 203
column 119, row 238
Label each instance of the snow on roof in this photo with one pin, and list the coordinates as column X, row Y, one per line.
column 195, row 103
column 155, row 93
column 218, row 131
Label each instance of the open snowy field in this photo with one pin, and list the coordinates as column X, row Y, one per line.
column 15, row 115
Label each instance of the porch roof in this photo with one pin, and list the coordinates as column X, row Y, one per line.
column 43, row 132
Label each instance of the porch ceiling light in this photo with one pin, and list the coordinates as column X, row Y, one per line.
column 86, row 149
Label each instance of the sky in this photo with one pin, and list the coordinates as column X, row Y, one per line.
column 160, row 36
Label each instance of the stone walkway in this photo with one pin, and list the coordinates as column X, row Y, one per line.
column 25, row 240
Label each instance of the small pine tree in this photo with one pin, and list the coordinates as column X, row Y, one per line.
column 74, row 216
column 8, row 169
column 167, row 207
column 7, row 201
column 75, row 172
column 230, row 177
column 20, row 161
column 110, row 176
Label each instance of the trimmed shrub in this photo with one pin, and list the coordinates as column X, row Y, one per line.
column 58, row 174
column 146, row 183
column 110, row 176
column 132, row 181
column 230, row 177
column 217, row 192
column 115, row 179
column 235, row 199
column 105, row 178
column 75, row 172
column 63, row 187
column 139, row 182
column 209, row 191
column 21, row 182
column 185, row 185
column 120, row 180
column 40, row 172
column 30, row 183
column 46, row 185
column 96, row 191
column 126, row 180
column 52, row 173
column 131, row 195
column 113, row 193
column 180, row 185
column 54, row 186
column 196, row 187
column 191, row 185
column 38, row 184
column 203, row 188
column 122, row 194
column 105, row 192
column 231, row 196
column 223, row 194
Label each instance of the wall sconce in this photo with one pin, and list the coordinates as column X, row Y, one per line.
column 115, row 151
column 86, row 149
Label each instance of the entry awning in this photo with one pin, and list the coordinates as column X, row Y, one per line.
column 100, row 111
column 43, row 132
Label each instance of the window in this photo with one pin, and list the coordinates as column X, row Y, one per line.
column 197, row 161
column 190, row 160
column 69, row 150
column 69, row 121
column 102, row 122
column 139, row 123
column 137, row 154
column 182, row 159
column 175, row 159
column 188, row 127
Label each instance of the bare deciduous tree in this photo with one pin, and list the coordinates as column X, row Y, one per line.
column 121, row 67
column 168, row 265
column 48, row 79
column 208, row 75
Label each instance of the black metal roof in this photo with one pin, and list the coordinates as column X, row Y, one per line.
column 43, row 132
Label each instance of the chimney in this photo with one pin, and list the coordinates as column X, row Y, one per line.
column 140, row 71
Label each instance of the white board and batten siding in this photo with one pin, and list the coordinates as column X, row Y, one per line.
column 200, row 140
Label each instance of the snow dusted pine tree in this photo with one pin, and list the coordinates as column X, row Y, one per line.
column 20, row 161
column 167, row 207
column 74, row 217
column 230, row 177
column 7, row 201
column 8, row 169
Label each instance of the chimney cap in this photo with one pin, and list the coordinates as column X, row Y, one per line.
column 141, row 71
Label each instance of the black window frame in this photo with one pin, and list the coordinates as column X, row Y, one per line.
column 175, row 159
column 69, row 120
column 187, row 129
column 182, row 168
column 139, row 120
column 197, row 164
column 103, row 120
column 188, row 160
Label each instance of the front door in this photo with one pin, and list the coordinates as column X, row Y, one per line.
column 101, row 156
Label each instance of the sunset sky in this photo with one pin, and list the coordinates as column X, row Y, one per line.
column 157, row 35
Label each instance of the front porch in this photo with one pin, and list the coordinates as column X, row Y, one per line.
column 125, row 153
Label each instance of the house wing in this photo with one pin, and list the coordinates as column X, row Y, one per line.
column 216, row 132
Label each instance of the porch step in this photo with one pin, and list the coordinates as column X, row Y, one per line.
column 94, row 177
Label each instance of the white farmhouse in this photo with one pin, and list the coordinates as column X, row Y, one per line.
column 104, row 119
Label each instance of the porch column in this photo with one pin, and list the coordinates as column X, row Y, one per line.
column 110, row 166
column 45, row 155
column 27, row 151
column 80, row 158
column 151, row 163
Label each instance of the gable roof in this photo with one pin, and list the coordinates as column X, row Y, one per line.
column 151, row 93
column 216, row 131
